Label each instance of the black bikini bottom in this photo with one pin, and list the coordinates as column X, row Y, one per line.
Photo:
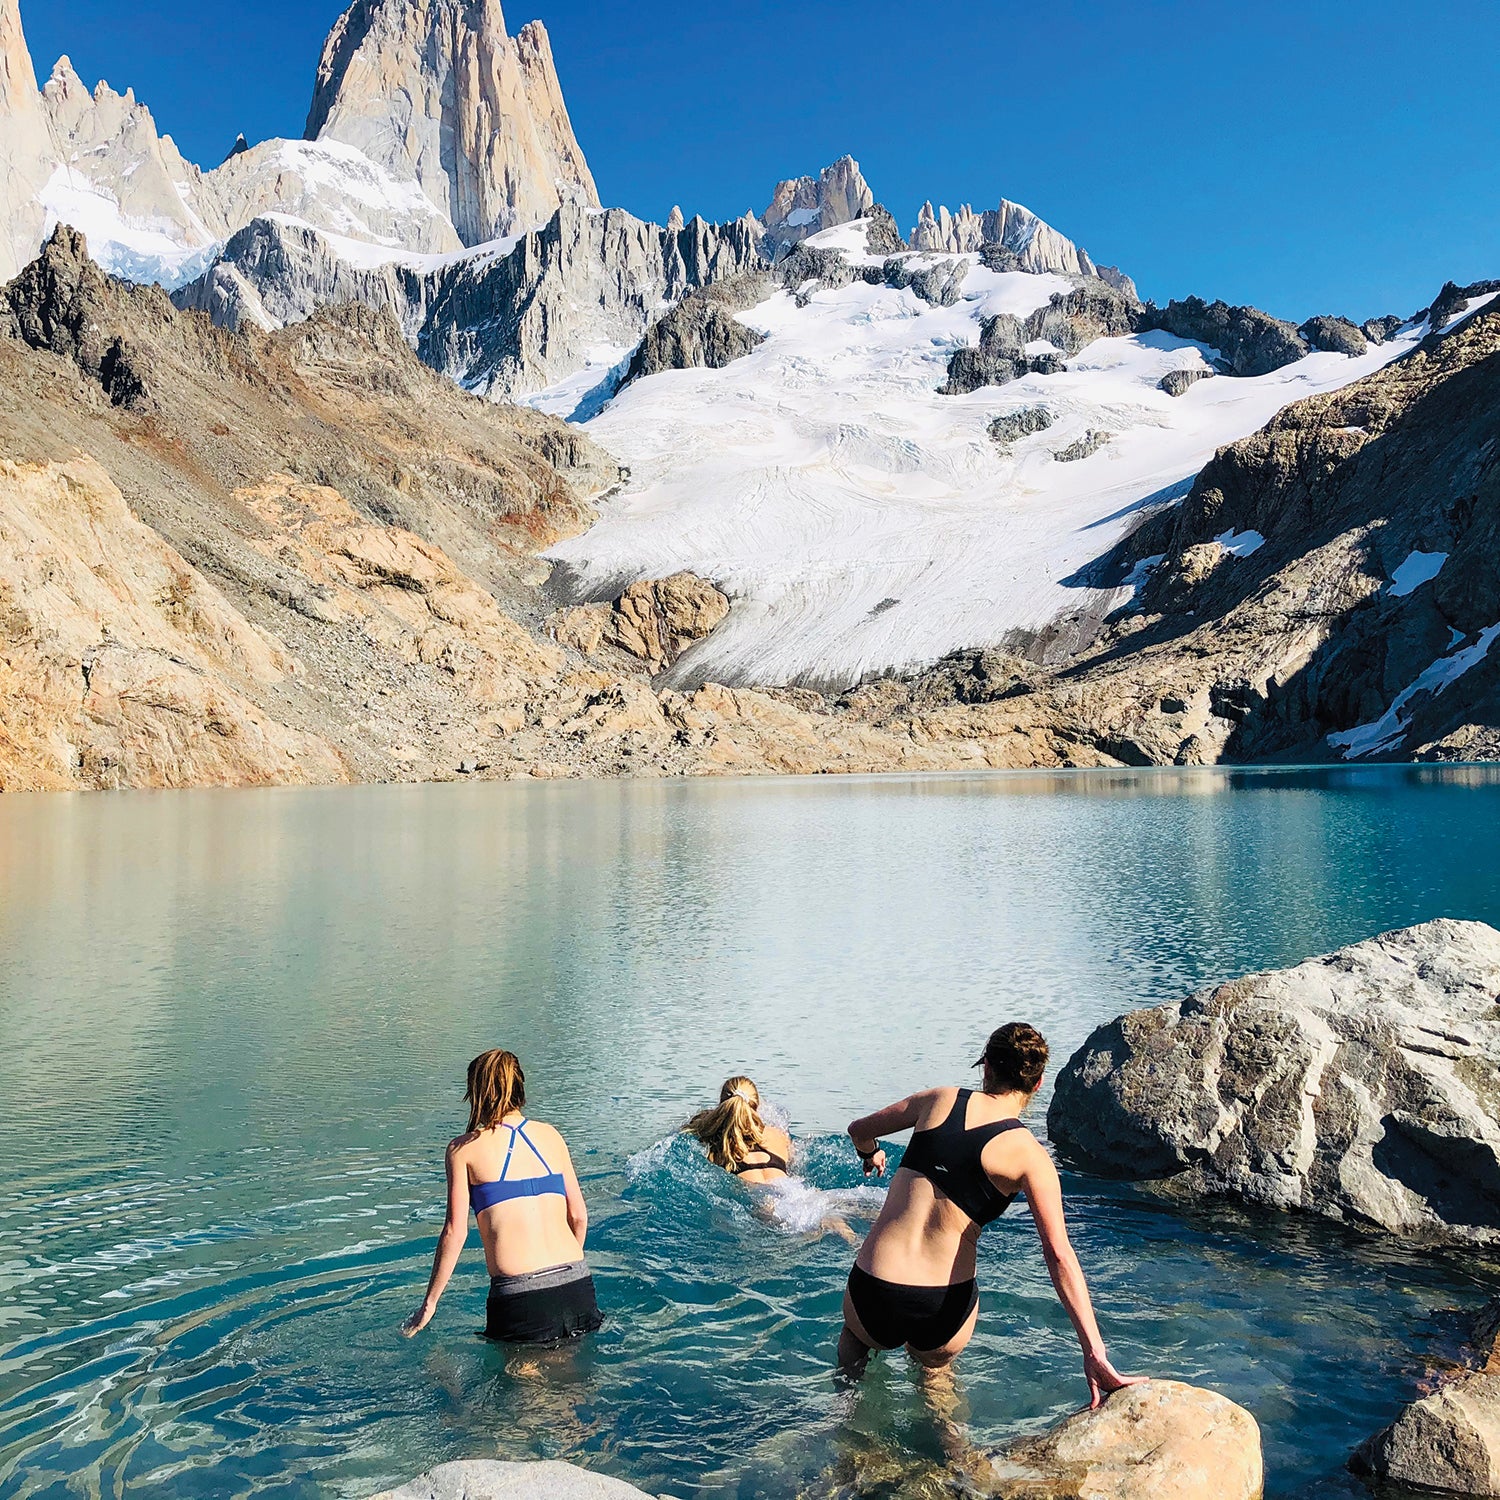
column 925, row 1317
column 542, row 1307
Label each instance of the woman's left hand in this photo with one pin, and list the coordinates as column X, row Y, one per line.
column 874, row 1165
column 417, row 1322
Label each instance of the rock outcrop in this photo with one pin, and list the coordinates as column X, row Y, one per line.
column 1175, row 382
column 435, row 92
column 1307, row 637
column 1248, row 341
column 1361, row 1085
column 701, row 331
column 494, row 1479
column 1159, row 1441
column 1011, row 427
column 801, row 206
column 1069, row 321
column 652, row 623
column 1334, row 336
column 496, row 323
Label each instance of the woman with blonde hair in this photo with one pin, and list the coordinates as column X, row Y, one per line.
column 738, row 1139
column 517, row 1176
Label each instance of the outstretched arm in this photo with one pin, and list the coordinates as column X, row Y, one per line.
column 578, row 1212
column 866, row 1131
column 450, row 1242
column 1043, row 1192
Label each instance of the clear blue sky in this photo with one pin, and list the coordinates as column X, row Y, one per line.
column 1306, row 157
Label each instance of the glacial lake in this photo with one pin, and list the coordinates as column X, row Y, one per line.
column 233, row 1031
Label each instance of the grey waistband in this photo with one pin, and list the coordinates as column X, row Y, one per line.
column 540, row 1281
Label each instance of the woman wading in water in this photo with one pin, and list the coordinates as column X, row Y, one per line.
column 913, row 1281
column 519, row 1178
column 741, row 1142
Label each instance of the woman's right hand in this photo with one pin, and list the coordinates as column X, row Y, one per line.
column 418, row 1321
column 1103, row 1378
column 874, row 1165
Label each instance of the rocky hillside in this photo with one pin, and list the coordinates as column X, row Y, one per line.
column 1328, row 589
column 301, row 556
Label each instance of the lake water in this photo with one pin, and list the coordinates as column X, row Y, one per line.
column 233, row 1030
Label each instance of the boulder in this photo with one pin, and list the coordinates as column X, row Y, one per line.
column 494, row 1479
column 1159, row 1441
column 1363, row 1085
column 1334, row 336
column 1010, row 427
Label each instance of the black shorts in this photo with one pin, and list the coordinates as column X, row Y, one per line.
column 542, row 1307
column 925, row 1317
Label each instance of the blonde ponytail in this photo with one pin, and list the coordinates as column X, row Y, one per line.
column 733, row 1128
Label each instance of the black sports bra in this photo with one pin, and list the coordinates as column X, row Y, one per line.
column 772, row 1163
column 948, row 1156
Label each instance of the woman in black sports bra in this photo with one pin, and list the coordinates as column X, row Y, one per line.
column 913, row 1282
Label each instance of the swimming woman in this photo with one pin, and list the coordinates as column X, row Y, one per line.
column 741, row 1142
column 913, row 1281
column 518, row 1177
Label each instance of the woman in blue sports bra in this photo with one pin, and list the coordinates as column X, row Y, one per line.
column 913, row 1281
column 517, row 1176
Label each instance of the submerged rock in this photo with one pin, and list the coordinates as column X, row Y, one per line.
column 1158, row 1441
column 1362, row 1085
column 493, row 1479
column 1448, row 1441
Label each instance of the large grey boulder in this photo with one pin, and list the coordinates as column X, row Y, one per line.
column 1363, row 1085
column 1159, row 1441
column 493, row 1479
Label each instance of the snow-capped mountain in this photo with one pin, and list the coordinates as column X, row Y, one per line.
column 862, row 520
column 873, row 446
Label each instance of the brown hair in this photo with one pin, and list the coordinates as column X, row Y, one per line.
column 1015, row 1057
column 733, row 1128
column 496, row 1086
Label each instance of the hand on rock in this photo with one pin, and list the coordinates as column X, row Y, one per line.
column 1103, row 1378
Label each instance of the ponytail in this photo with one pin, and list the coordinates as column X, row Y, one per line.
column 496, row 1086
column 733, row 1128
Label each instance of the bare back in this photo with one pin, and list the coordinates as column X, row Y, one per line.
column 524, row 1233
column 774, row 1141
column 923, row 1238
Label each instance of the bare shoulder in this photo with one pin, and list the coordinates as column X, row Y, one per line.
column 545, row 1135
column 778, row 1139
column 933, row 1105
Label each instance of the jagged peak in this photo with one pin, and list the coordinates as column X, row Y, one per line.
column 437, row 93
column 18, row 90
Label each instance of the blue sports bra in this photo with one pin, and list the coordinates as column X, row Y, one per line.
column 485, row 1195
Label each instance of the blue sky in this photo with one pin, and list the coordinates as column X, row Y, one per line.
column 1312, row 157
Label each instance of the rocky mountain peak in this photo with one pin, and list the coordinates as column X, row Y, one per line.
column 1036, row 245
column 435, row 91
column 801, row 206
column 18, row 89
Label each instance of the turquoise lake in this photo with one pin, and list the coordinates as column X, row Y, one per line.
column 233, row 1032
